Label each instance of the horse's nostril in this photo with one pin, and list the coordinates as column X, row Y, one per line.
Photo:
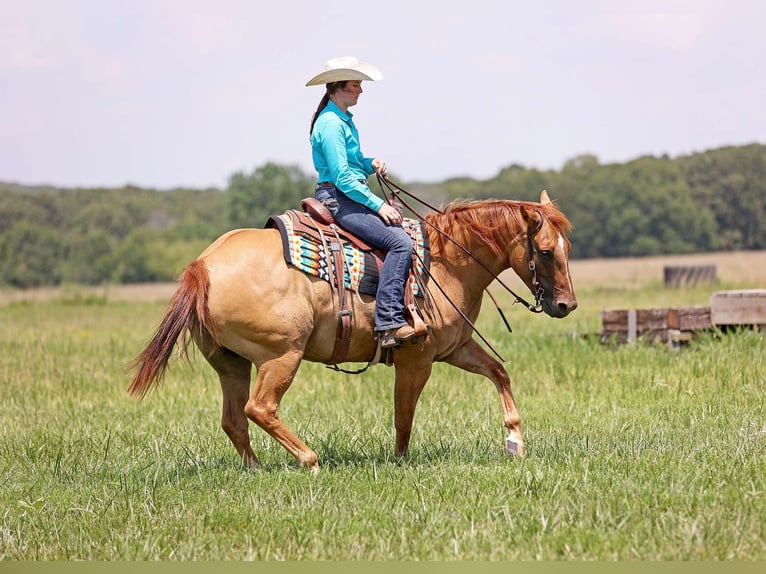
column 565, row 308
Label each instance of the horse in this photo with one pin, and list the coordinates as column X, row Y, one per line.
column 243, row 305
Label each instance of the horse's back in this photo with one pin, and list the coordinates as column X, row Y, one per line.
column 248, row 265
column 241, row 241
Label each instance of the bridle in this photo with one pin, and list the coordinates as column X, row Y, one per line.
column 394, row 194
column 537, row 288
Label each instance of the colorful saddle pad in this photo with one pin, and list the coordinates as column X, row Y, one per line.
column 306, row 252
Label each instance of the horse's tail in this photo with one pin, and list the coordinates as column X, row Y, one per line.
column 187, row 310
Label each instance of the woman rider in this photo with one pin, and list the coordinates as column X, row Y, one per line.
column 342, row 188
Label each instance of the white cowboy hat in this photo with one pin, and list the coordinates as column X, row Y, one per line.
column 345, row 68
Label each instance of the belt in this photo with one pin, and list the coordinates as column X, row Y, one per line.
column 331, row 184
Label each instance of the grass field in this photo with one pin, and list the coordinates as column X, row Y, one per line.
column 634, row 453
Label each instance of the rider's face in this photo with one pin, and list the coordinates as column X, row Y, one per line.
column 349, row 95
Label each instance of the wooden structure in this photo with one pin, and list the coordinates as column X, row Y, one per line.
column 673, row 326
column 739, row 308
column 667, row 325
column 689, row 275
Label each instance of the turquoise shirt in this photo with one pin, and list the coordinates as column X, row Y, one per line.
column 338, row 157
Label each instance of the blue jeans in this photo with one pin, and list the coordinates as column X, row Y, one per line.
column 368, row 226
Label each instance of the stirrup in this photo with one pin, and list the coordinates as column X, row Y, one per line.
column 389, row 338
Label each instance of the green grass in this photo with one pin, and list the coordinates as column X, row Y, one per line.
column 634, row 453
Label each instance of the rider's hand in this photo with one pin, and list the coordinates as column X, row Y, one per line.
column 380, row 167
column 390, row 214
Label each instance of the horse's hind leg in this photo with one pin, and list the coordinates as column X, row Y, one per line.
column 234, row 376
column 272, row 381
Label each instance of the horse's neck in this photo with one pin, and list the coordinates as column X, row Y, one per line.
column 474, row 240
column 474, row 271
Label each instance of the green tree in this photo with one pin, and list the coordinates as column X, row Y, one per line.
column 133, row 254
column 643, row 207
column 269, row 190
column 91, row 258
column 651, row 205
column 190, row 214
column 115, row 212
column 166, row 261
column 30, row 256
column 731, row 183
column 517, row 182
column 37, row 207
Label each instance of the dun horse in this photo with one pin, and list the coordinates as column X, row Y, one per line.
column 243, row 305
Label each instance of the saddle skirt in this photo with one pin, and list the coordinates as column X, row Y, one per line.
column 306, row 246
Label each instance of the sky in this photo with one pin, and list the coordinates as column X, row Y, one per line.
column 171, row 93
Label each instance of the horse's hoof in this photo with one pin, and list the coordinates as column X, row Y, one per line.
column 310, row 462
column 514, row 446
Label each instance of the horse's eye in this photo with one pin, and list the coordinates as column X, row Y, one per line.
column 546, row 253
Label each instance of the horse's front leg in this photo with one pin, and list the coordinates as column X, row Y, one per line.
column 471, row 357
column 411, row 377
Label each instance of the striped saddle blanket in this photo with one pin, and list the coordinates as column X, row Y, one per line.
column 305, row 249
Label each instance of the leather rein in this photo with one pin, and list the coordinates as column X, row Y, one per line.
column 394, row 194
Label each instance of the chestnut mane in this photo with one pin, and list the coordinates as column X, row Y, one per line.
column 492, row 221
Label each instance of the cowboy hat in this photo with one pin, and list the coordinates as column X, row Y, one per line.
column 345, row 68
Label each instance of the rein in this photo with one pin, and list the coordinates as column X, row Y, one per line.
column 395, row 190
column 537, row 288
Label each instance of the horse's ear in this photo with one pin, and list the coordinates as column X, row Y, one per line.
column 544, row 197
column 531, row 218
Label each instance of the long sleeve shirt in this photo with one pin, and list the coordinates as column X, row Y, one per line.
column 338, row 156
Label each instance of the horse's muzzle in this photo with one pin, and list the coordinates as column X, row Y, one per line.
column 560, row 308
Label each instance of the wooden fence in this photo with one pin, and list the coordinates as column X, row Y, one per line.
column 677, row 325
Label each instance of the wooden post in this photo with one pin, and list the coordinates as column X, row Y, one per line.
column 632, row 327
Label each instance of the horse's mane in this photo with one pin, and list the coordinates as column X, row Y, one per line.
column 493, row 221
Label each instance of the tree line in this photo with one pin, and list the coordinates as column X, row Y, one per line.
column 707, row 201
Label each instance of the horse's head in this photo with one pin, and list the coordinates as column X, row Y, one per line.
column 546, row 270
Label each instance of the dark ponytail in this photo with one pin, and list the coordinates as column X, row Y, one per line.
column 331, row 87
